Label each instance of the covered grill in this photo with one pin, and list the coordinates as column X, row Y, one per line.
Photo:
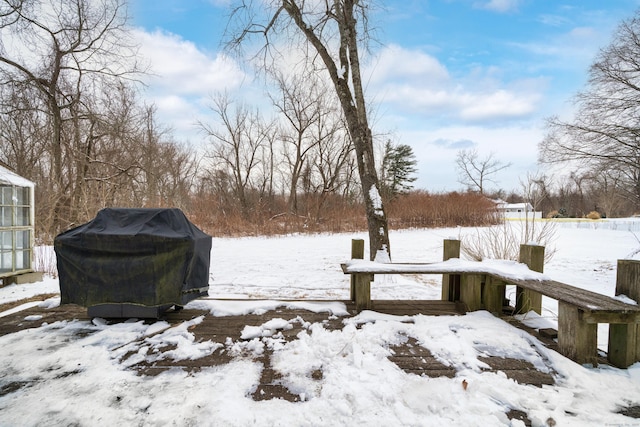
column 133, row 262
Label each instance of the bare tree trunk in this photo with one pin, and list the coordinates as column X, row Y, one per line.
column 353, row 107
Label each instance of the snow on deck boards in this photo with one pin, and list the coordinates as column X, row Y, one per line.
column 320, row 357
column 16, row 321
column 408, row 356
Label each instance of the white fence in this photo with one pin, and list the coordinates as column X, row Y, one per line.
column 621, row 224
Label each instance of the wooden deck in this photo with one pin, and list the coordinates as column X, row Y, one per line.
column 409, row 356
column 227, row 325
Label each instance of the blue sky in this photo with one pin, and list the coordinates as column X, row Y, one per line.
column 445, row 74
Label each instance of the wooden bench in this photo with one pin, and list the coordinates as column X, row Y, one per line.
column 481, row 286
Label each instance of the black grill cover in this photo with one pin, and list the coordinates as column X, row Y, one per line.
column 149, row 257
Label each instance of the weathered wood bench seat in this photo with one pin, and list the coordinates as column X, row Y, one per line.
column 481, row 285
column 599, row 308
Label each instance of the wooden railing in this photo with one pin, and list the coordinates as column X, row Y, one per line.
column 482, row 285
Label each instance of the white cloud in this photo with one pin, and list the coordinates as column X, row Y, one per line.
column 499, row 104
column 179, row 66
column 501, row 6
column 221, row 3
column 173, row 104
column 418, row 84
column 182, row 78
column 460, row 144
column 462, row 104
column 579, row 43
column 398, row 63
column 553, row 20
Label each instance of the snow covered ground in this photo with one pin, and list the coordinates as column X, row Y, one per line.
column 77, row 373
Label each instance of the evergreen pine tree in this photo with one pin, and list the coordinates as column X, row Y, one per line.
column 398, row 169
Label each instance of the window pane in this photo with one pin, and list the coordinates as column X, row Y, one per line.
column 22, row 216
column 22, row 239
column 22, row 260
column 5, row 196
column 22, row 195
column 6, row 240
column 5, row 262
column 19, row 259
column 5, row 216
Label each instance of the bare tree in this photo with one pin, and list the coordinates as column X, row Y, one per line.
column 604, row 132
column 535, row 189
column 62, row 50
column 268, row 160
column 167, row 169
column 475, row 172
column 237, row 145
column 299, row 101
column 607, row 188
column 23, row 138
column 334, row 162
column 115, row 154
column 332, row 34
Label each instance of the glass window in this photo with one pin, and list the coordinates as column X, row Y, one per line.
column 22, row 216
column 6, row 261
column 5, row 216
column 6, row 240
column 23, row 260
column 19, row 260
column 22, row 239
column 15, row 228
column 22, row 196
column 6, row 195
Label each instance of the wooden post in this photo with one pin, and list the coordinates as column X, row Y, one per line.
column 577, row 339
column 471, row 291
column 494, row 292
column 357, row 252
column 526, row 300
column 624, row 339
column 363, row 291
column 451, row 282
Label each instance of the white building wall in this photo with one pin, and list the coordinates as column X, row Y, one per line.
column 522, row 215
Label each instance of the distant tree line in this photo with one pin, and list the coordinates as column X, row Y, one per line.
column 571, row 196
column 566, row 194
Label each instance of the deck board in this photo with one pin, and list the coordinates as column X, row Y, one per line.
column 410, row 356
